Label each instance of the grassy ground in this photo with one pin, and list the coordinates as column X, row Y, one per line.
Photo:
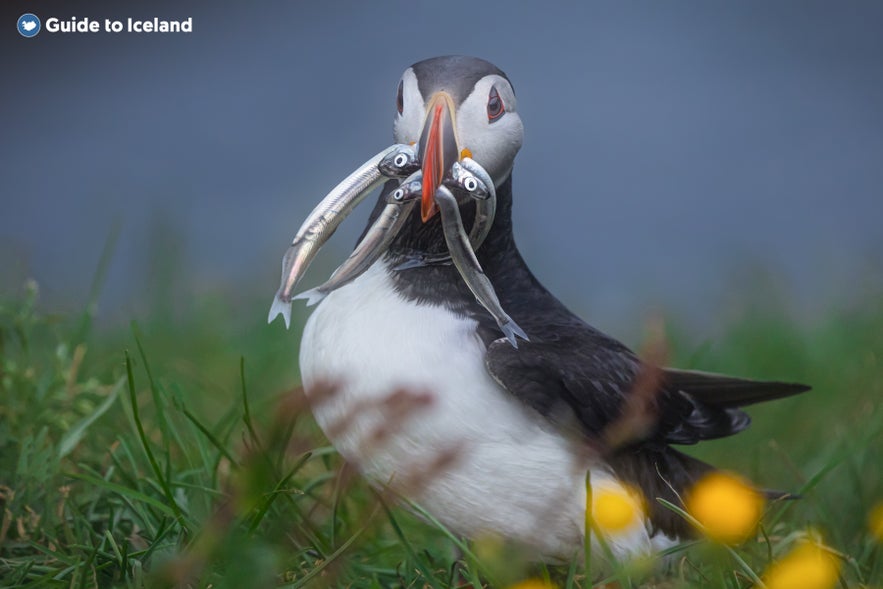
column 178, row 453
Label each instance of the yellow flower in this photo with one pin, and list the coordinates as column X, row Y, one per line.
column 533, row 584
column 809, row 566
column 727, row 507
column 616, row 509
column 875, row 522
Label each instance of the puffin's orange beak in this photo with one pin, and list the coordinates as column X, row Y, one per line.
column 437, row 148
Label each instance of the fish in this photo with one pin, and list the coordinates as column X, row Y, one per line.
column 471, row 177
column 478, row 183
column 400, row 163
column 468, row 175
column 321, row 224
column 469, row 268
column 399, row 204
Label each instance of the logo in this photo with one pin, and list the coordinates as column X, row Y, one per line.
column 28, row 25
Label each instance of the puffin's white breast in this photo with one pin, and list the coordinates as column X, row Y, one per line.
column 512, row 474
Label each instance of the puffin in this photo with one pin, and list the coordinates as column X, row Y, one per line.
column 504, row 435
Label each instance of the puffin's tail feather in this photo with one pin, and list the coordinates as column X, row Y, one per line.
column 728, row 392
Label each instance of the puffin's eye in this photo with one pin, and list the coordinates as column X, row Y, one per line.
column 495, row 108
column 400, row 97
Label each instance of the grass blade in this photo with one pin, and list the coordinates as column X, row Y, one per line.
column 427, row 574
column 124, row 491
column 154, row 465
column 749, row 572
column 75, row 434
column 210, row 436
column 98, row 280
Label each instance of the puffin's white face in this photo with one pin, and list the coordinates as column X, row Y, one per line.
column 486, row 123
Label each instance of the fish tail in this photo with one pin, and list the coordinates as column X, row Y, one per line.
column 313, row 296
column 511, row 330
column 280, row 307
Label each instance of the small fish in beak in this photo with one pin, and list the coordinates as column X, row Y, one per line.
column 468, row 176
column 399, row 205
column 400, row 163
column 470, row 270
column 472, row 178
column 438, row 169
column 321, row 224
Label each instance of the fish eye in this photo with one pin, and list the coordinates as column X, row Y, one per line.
column 399, row 194
column 470, row 184
column 400, row 97
column 495, row 107
column 400, row 160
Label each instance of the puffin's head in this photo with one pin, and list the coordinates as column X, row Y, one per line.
column 454, row 107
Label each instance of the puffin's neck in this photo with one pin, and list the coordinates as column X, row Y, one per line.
column 417, row 237
column 442, row 284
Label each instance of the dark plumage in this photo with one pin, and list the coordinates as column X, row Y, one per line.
column 456, row 74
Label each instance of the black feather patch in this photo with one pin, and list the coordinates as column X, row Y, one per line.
column 728, row 391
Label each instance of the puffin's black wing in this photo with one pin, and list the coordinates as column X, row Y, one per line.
column 728, row 391
column 563, row 373
column 576, row 375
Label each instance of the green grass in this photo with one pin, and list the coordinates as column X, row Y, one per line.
column 177, row 452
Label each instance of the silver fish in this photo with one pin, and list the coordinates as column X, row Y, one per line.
column 477, row 182
column 468, row 266
column 472, row 178
column 400, row 162
column 320, row 225
column 399, row 204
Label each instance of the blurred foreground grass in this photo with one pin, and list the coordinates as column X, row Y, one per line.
column 178, row 453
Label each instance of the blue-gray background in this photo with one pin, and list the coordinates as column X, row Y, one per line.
column 678, row 155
